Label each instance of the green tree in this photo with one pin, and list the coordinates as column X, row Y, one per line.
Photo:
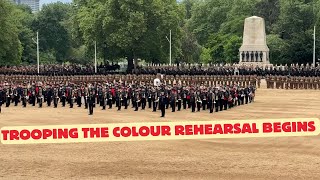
column 295, row 26
column 278, row 49
column 10, row 45
column 26, row 34
column 215, row 44
column 207, row 17
column 191, row 50
column 54, row 36
column 205, row 56
column 270, row 11
column 231, row 47
column 132, row 29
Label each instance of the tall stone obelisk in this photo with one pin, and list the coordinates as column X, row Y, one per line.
column 254, row 49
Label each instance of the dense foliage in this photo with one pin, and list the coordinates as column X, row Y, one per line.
column 208, row 31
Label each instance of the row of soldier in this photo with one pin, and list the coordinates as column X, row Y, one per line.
column 138, row 79
column 292, row 82
column 181, row 69
column 162, row 97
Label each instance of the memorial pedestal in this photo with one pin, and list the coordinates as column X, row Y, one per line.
column 254, row 49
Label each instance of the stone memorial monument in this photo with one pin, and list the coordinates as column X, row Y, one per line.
column 254, row 49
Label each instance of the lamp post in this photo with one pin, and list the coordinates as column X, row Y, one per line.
column 314, row 46
column 170, row 42
column 95, row 56
column 38, row 57
column 314, row 36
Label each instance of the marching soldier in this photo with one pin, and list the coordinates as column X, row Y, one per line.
column 179, row 100
column 268, row 81
column 173, row 99
column 109, row 96
column 248, row 80
column 296, row 84
column 63, row 97
column 79, row 95
column 310, row 82
column 242, row 96
column 259, row 81
column 40, row 96
column 272, row 80
column 85, row 96
column 104, row 98
column 315, row 83
column 16, row 96
column 305, row 82
column 118, row 99
column 283, row 80
column 199, row 102
column 204, row 101
column 162, row 103
column 155, row 99
column 246, row 95
column 287, row 82
column 192, row 101
column 24, row 97
column 225, row 99
column 49, row 95
column 125, row 98
column 210, row 101
column 91, row 100
column 277, row 81
column 136, row 100
column 8, row 96
column 143, row 99
column 301, row 82
column 184, row 100
column 55, row 97
column 2, row 94
column 71, row 95
column 149, row 95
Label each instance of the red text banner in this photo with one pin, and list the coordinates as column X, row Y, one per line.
column 160, row 131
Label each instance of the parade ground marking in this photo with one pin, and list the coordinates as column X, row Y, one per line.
column 160, row 131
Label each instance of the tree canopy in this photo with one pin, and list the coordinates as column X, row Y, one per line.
column 208, row 31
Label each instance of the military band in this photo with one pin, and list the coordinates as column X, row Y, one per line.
column 200, row 97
